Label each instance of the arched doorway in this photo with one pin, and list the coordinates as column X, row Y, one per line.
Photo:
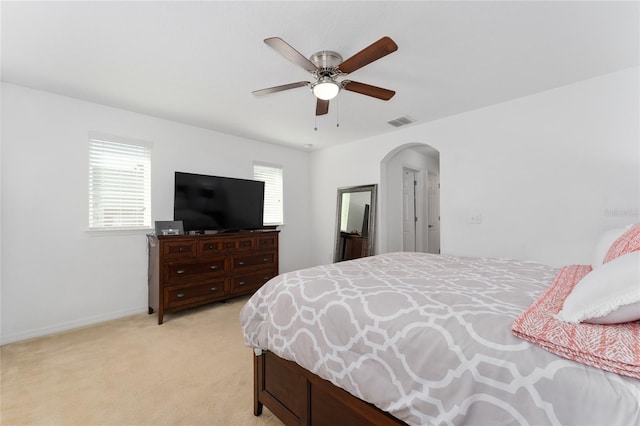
column 409, row 217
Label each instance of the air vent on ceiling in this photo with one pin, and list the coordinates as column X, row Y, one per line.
column 401, row 121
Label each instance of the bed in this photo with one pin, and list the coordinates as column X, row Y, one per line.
column 414, row 338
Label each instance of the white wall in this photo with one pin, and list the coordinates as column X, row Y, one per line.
column 55, row 275
column 547, row 172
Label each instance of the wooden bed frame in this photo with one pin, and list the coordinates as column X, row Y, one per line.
column 299, row 397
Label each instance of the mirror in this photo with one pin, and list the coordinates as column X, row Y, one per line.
column 355, row 222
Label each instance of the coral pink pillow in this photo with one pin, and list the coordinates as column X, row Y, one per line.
column 626, row 243
column 604, row 244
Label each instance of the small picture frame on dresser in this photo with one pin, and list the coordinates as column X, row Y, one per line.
column 169, row 227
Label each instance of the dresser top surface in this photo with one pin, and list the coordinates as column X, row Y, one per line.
column 236, row 234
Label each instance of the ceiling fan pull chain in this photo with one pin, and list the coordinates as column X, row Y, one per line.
column 315, row 127
column 337, row 113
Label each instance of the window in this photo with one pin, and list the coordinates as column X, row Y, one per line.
column 271, row 175
column 119, row 184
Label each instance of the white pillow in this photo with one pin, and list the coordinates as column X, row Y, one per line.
column 609, row 294
column 604, row 243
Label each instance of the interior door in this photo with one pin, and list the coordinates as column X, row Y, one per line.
column 408, row 210
column 433, row 212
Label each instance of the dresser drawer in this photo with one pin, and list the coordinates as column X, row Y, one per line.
column 215, row 247
column 236, row 244
column 247, row 262
column 176, row 272
column 194, row 293
column 179, row 249
column 248, row 283
column 267, row 242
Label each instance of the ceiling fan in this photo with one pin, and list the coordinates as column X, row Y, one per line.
column 327, row 66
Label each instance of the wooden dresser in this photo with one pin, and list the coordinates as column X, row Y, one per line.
column 191, row 270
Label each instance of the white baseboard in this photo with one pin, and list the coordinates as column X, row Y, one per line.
column 66, row 326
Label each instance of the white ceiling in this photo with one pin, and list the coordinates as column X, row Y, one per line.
column 197, row 62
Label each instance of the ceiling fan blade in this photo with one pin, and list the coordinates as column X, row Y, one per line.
column 368, row 90
column 276, row 89
column 373, row 52
column 322, row 107
column 289, row 53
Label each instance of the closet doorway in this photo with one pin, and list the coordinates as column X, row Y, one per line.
column 410, row 200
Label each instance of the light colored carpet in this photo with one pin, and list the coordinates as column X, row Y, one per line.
column 192, row 370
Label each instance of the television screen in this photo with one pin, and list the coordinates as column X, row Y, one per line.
column 207, row 203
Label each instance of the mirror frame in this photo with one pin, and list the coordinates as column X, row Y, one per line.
column 372, row 217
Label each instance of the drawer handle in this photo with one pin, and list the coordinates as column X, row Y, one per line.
column 241, row 262
column 180, row 249
column 214, row 288
column 180, row 271
column 242, row 282
column 210, row 246
column 266, row 259
column 214, row 266
column 180, row 295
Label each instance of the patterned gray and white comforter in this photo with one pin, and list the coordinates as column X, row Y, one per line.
column 427, row 338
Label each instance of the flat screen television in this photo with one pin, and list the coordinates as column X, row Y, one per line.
column 215, row 203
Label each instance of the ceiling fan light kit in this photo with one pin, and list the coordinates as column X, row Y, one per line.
column 325, row 89
column 327, row 66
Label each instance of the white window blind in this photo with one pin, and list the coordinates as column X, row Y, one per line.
column 271, row 175
column 119, row 185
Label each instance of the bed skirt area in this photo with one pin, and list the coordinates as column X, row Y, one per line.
column 299, row 397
